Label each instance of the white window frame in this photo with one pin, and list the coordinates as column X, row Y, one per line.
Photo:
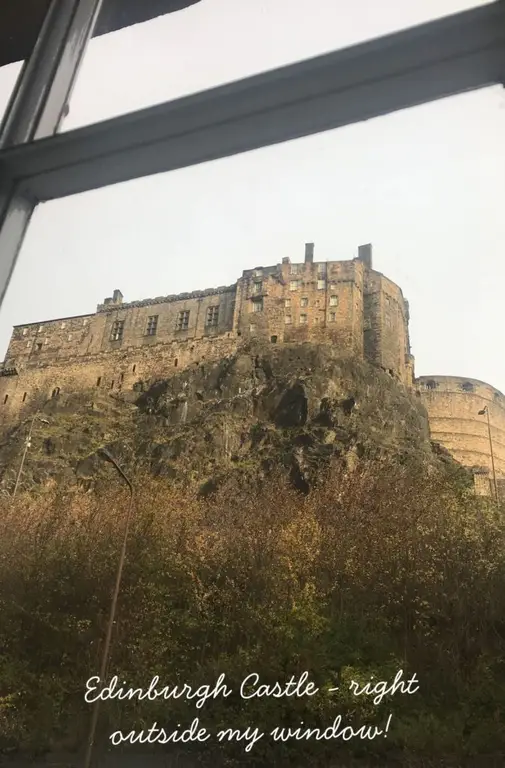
column 445, row 57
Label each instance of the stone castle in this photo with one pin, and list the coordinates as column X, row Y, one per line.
column 345, row 303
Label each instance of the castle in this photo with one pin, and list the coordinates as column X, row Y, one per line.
column 346, row 303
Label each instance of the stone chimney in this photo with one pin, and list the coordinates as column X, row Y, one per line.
column 309, row 253
column 365, row 255
column 117, row 297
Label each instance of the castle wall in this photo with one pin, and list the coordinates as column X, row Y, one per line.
column 110, row 372
column 386, row 337
column 345, row 303
column 453, row 406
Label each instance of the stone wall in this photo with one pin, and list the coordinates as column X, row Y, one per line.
column 453, row 406
column 346, row 303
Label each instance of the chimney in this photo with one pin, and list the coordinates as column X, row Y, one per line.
column 365, row 255
column 309, row 253
column 117, row 297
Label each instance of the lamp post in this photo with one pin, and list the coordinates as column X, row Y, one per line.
column 23, row 457
column 112, row 614
column 485, row 411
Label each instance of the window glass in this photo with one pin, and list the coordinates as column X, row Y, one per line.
column 425, row 186
column 217, row 41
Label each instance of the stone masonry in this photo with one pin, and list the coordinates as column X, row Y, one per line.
column 345, row 303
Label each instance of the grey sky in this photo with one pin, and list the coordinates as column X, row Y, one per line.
column 425, row 186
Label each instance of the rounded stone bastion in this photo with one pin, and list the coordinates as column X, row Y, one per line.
column 458, row 411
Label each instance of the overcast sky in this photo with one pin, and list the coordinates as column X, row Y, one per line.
column 425, row 186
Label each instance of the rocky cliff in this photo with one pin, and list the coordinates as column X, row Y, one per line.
column 291, row 407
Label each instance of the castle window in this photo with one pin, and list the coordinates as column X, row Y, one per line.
column 257, row 273
column 333, row 301
column 257, row 306
column 117, row 330
column 321, row 269
column 176, row 363
column 287, row 303
column 152, row 325
column 294, row 269
column 273, row 339
column 303, row 319
column 293, row 285
column 40, row 329
column 134, row 369
column 25, row 330
column 321, row 285
column 183, row 320
column 55, row 392
column 304, row 302
column 333, row 317
column 467, row 386
column 24, row 396
column 5, row 399
column 288, row 320
column 212, row 316
column 257, row 288
column 431, row 384
column 98, row 381
column 38, row 347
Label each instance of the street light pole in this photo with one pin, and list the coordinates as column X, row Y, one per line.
column 115, row 594
column 27, row 445
column 485, row 411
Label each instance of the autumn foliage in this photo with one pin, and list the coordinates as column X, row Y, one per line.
column 384, row 568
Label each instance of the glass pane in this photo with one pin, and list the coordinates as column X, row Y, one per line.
column 132, row 306
column 218, row 41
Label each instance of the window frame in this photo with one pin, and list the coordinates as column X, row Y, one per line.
column 438, row 59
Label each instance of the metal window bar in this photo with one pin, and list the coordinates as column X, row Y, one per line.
column 449, row 56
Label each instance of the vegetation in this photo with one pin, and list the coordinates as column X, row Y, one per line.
column 385, row 568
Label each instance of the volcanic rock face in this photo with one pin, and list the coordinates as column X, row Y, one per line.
column 295, row 407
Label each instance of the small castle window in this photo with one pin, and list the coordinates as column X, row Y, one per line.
column 98, row 381
column 333, row 317
column 152, row 325
column 212, row 316
column 304, row 302
column 176, row 362
column 467, row 386
column 257, row 273
column 39, row 347
column 5, row 399
column 55, row 392
column 293, row 285
column 321, row 285
column 257, row 288
column 287, row 303
column 273, row 339
column 25, row 331
column 117, row 330
column 24, row 396
column 287, row 320
column 134, row 369
column 257, row 306
column 303, row 319
column 183, row 320
column 40, row 329
column 333, row 301
column 121, row 377
column 431, row 384
column 112, row 384
column 294, row 269
column 321, row 269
